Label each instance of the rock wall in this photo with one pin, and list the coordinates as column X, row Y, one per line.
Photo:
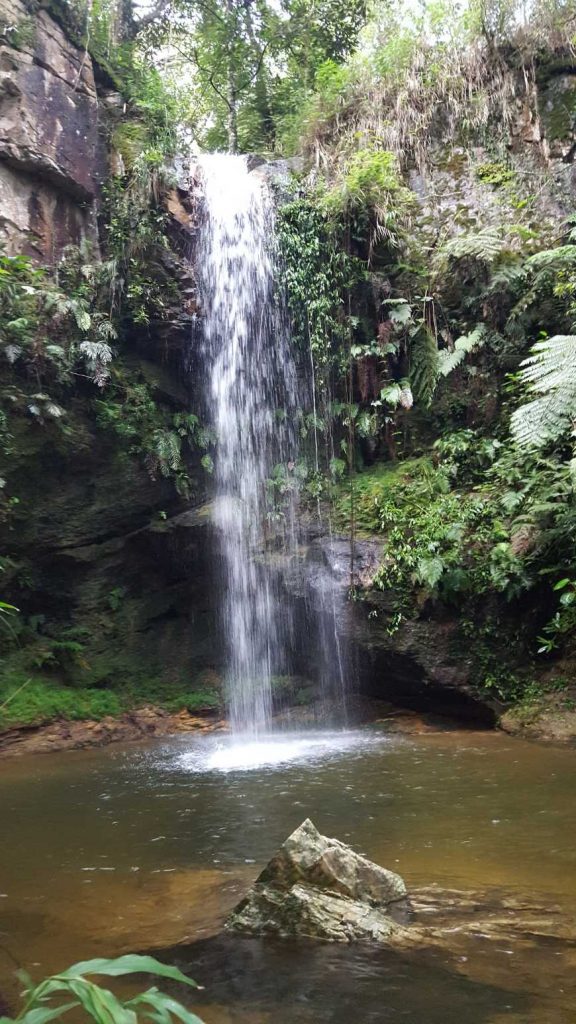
column 97, row 551
column 52, row 153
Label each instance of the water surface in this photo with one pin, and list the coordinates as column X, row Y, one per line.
column 151, row 845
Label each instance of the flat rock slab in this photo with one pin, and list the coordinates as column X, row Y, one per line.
column 316, row 887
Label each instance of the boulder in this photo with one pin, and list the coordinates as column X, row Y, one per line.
column 316, row 887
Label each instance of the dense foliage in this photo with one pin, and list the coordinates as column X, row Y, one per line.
column 456, row 345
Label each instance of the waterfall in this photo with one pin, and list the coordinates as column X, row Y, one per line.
column 253, row 394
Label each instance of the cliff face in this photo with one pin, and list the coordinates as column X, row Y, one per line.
column 52, row 154
column 514, row 179
column 98, row 551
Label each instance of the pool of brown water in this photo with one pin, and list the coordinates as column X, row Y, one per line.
column 149, row 847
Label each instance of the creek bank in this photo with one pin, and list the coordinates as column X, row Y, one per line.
column 151, row 721
column 420, row 664
column 425, row 666
column 143, row 723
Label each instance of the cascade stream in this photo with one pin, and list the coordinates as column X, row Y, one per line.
column 254, row 399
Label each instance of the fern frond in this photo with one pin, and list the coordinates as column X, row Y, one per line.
column 95, row 352
column 167, row 450
column 82, row 317
column 425, row 368
column 449, row 359
column 97, row 355
column 105, row 328
column 484, row 245
column 507, row 277
column 551, row 364
column 549, row 372
column 563, row 257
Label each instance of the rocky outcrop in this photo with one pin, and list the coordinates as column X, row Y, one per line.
column 52, row 156
column 541, row 721
column 320, row 888
column 419, row 665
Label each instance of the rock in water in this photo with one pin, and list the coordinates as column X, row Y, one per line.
column 316, row 887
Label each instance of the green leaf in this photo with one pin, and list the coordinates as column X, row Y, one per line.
column 99, row 1003
column 430, row 570
column 83, row 319
column 164, row 1005
column 401, row 314
column 131, row 963
column 8, row 607
column 391, row 394
column 43, row 1014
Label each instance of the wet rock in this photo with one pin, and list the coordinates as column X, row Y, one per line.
column 310, row 913
column 316, row 887
column 539, row 722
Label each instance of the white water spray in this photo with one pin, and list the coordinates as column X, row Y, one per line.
column 252, row 381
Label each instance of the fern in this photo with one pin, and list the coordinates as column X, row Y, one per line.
column 97, row 355
column 430, row 570
column 507, row 277
column 425, row 366
column 484, row 246
column 167, row 451
column 449, row 359
column 95, row 352
column 549, row 372
column 105, row 329
column 561, row 258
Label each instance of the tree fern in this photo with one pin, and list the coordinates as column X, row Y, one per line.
column 484, row 245
column 563, row 257
column 549, row 372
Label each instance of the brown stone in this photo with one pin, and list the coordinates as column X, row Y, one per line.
column 140, row 724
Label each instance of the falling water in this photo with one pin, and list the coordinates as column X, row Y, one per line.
column 252, row 384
